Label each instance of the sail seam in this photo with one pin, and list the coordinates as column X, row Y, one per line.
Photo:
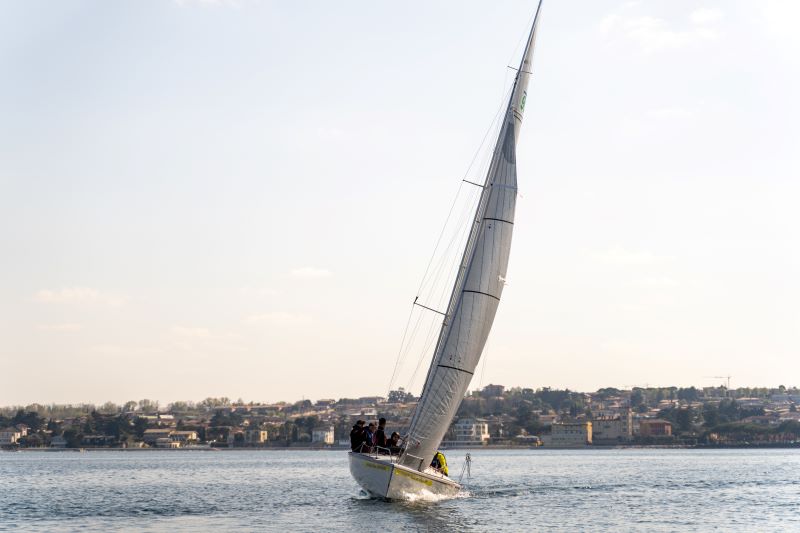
column 456, row 368
column 499, row 220
column 484, row 293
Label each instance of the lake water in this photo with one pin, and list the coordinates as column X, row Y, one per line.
column 510, row 490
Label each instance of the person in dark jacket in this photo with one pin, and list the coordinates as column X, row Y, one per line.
column 380, row 435
column 369, row 437
column 357, row 436
column 394, row 443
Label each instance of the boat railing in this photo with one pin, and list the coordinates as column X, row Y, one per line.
column 378, row 452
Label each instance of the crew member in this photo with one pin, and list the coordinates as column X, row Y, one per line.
column 357, row 436
column 394, row 443
column 439, row 462
column 380, row 435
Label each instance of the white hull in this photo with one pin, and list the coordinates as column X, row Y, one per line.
column 382, row 478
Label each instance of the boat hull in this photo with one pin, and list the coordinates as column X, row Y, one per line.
column 381, row 478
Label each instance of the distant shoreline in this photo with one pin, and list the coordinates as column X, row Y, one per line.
column 465, row 448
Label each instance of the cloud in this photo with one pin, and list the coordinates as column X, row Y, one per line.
column 666, row 113
column 193, row 333
column 621, row 257
column 59, row 327
column 228, row 3
column 310, row 273
column 78, row 295
column 108, row 349
column 705, row 15
column 331, row 134
column 260, row 292
column 653, row 34
column 277, row 318
column 662, row 282
column 780, row 20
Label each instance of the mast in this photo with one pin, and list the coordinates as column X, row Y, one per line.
column 478, row 286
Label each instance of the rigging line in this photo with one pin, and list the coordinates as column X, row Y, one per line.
column 455, row 260
column 406, row 347
column 466, row 261
column 441, row 234
column 524, row 36
column 499, row 125
column 519, row 70
column 400, row 351
column 448, row 269
column 473, row 183
column 403, row 353
column 483, row 366
column 478, row 150
column 438, row 271
column 431, row 336
column 492, row 125
column 413, row 336
column 428, row 308
column 423, row 354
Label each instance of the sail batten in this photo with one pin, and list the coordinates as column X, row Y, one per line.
column 478, row 286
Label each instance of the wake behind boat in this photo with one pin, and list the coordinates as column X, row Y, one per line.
column 466, row 324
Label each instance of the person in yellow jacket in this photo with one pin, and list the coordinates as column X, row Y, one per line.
column 439, row 462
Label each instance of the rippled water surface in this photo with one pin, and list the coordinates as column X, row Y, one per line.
column 626, row 489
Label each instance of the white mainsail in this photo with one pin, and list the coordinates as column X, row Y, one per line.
column 478, row 286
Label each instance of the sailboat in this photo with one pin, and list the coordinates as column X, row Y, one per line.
column 470, row 312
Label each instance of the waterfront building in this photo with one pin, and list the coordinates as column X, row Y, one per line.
column 9, row 436
column 470, row 432
column 547, row 420
column 184, row 437
column 254, row 437
column 571, row 434
column 655, row 427
column 761, row 420
column 97, row 440
column 152, row 435
column 613, row 429
column 326, row 402
column 493, row 391
column 323, row 435
column 166, row 442
column 366, row 413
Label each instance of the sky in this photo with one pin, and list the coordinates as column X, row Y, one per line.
column 239, row 198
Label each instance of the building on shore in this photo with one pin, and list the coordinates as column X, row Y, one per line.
column 469, row 432
column 166, row 442
column 655, row 427
column 9, row 436
column 323, row 435
column 255, row 437
column 184, row 437
column 151, row 436
column 570, row 434
column 613, row 429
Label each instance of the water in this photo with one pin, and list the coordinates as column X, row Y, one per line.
column 627, row 489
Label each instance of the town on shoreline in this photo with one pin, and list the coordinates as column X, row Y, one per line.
column 492, row 416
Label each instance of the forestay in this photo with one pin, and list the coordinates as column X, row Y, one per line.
column 478, row 286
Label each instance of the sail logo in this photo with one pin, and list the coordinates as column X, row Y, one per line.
column 522, row 101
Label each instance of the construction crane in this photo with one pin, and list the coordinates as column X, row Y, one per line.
column 726, row 378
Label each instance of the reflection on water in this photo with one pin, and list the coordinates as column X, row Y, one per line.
column 632, row 490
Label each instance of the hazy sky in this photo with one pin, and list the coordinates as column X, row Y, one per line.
column 239, row 198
